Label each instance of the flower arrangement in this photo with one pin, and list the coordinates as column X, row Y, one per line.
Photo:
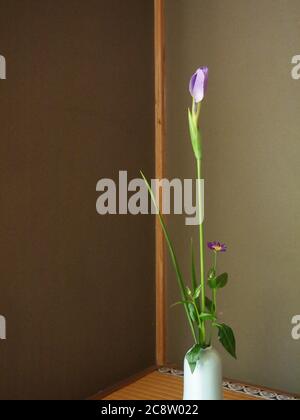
column 200, row 309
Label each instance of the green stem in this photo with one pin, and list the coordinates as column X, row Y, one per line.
column 199, row 321
column 201, row 240
column 215, row 290
column 198, row 112
column 215, row 300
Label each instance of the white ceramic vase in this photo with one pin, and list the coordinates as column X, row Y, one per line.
column 206, row 383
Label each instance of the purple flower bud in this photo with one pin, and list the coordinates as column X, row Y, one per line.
column 198, row 84
column 217, row 246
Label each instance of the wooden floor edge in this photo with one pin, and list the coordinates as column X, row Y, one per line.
column 123, row 383
column 136, row 377
column 249, row 384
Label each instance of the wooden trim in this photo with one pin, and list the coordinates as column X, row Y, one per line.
column 263, row 388
column 122, row 384
column 159, row 27
column 237, row 381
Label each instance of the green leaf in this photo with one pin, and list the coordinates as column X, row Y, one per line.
column 218, row 282
column 210, row 307
column 193, row 356
column 182, row 302
column 222, row 280
column 227, row 339
column 188, row 291
column 193, row 312
column 211, row 274
column 197, row 293
column 196, row 288
column 195, row 136
column 172, row 255
column 207, row 317
column 194, row 275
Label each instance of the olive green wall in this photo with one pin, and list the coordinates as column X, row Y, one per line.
column 77, row 106
column 251, row 131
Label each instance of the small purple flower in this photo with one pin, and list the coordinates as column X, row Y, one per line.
column 198, row 84
column 217, row 246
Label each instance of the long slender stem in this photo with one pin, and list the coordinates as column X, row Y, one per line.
column 201, row 241
column 215, row 290
column 199, row 321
